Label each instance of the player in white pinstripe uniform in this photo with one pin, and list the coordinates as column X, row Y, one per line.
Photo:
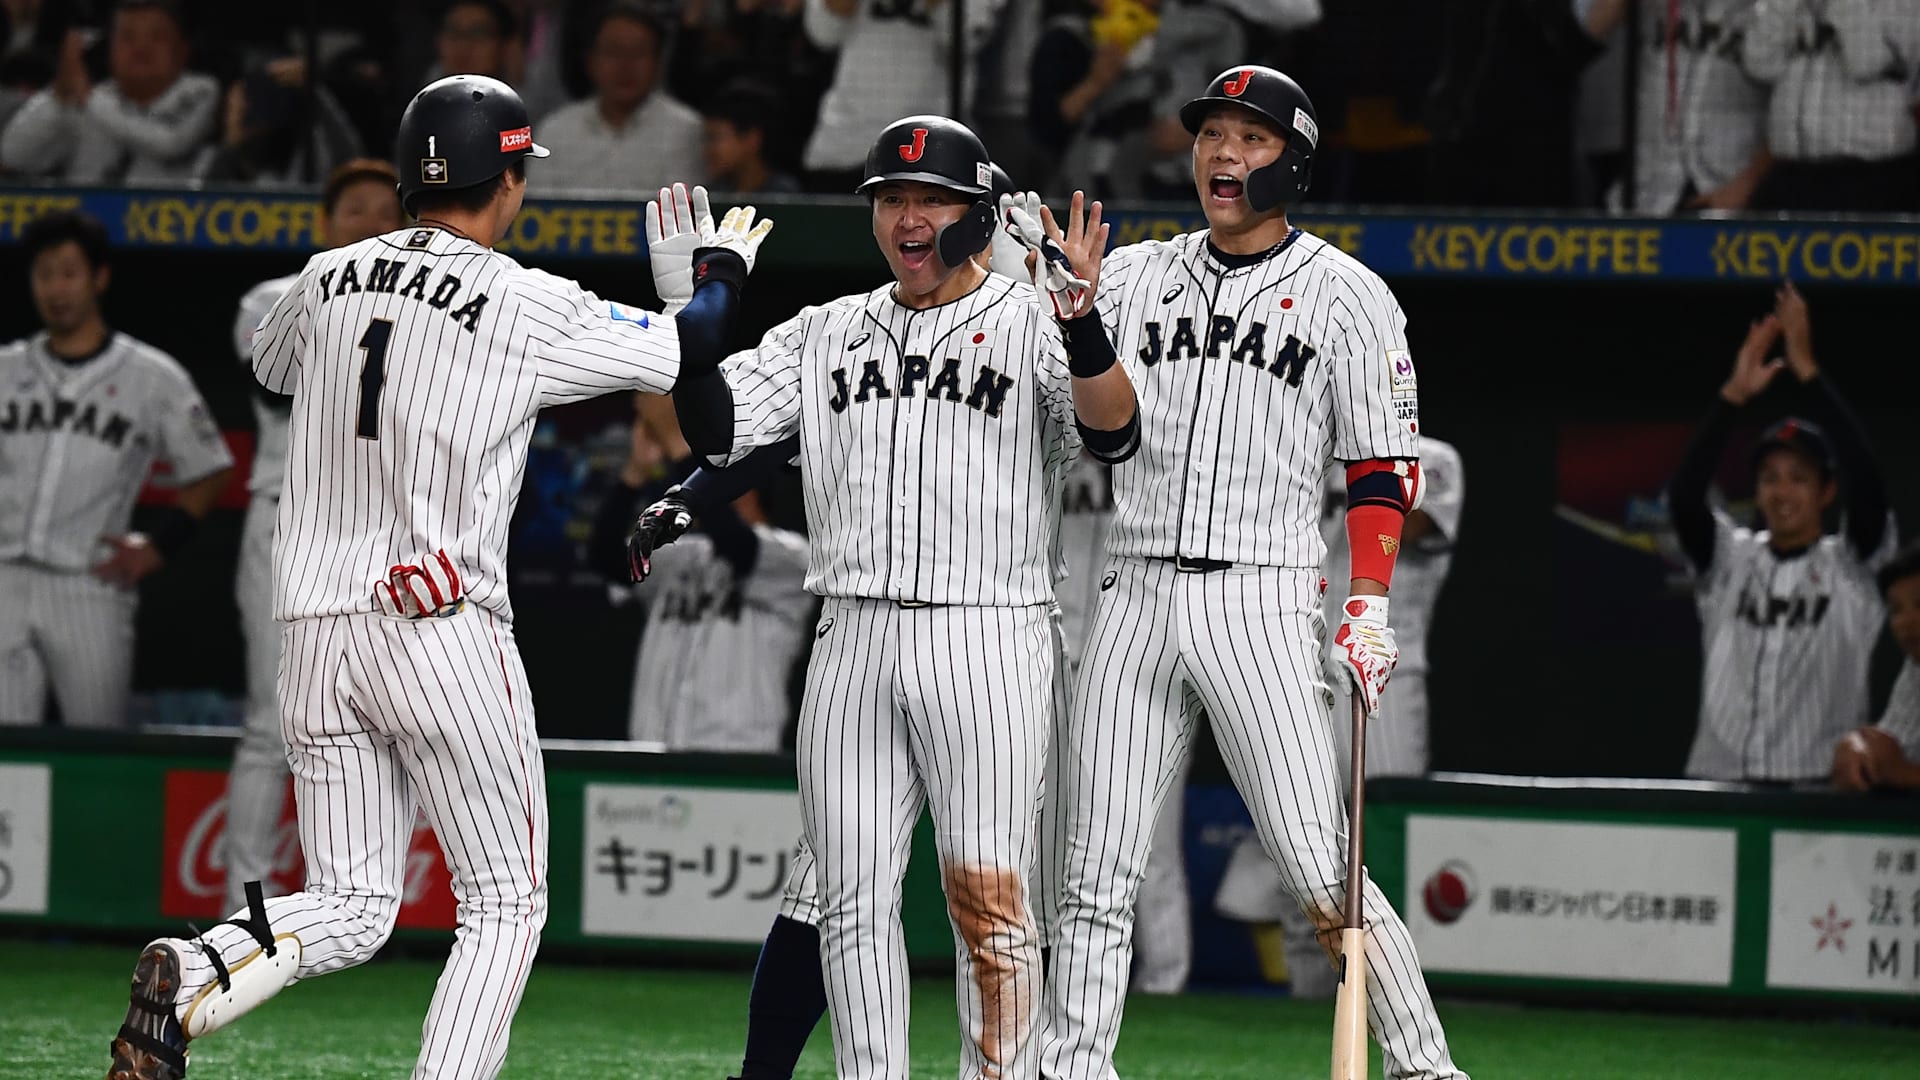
column 936, row 416
column 1261, row 353
column 1887, row 754
column 1252, row 888
column 1700, row 137
column 85, row 411
column 359, row 201
column 417, row 362
column 1788, row 615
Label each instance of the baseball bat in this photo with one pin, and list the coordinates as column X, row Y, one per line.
column 1350, row 1004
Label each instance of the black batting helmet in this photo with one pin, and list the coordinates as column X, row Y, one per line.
column 946, row 153
column 1282, row 103
column 460, row 131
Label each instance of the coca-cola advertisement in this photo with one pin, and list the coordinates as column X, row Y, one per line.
column 193, row 878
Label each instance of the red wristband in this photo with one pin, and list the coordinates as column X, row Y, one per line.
column 1373, row 535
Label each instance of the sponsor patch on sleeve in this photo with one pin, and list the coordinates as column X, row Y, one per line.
column 1400, row 361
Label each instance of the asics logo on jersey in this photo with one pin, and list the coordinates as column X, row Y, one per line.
column 1223, row 335
column 823, row 628
column 1107, row 582
column 32, row 416
column 1174, row 293
column 384, row 277
column 859, row 341
column 1793, row 612
column 988, row 394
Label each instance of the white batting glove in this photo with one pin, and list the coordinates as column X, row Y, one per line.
column 1052, row 273
column 736, row 233
column 675, row 225
column 430, row 589
column 1363, row 648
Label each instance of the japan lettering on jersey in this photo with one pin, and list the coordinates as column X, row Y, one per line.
column 1788, row 643
column 270, row 441
column 933, row 442
column 78, row 439
column 1249, row 381
column 691, row 690
column 417, row 362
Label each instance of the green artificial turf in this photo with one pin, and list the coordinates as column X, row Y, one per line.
column 577, row 1023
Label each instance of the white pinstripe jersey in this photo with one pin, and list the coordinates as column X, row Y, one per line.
column 1902, row 717
column 1703, row 121
column 270, row 439
column 1086, row 507
column 417, row 362
column 691, row 689
column 932, row 444
column 77, row 441
column 1250, row 381
column 1788, row 642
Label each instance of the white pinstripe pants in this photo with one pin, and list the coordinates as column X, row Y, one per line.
column 951, row 705
column 1244, row 643
column 69, row 629
column 257, row 782
column 380, row 714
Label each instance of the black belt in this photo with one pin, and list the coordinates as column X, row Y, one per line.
column 1188, row 565
column 914, row 604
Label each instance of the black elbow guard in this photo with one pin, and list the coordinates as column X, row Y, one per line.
column 1112, row 447
column 704, row 406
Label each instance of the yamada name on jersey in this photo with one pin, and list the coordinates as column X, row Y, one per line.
column 383, row 276
column 33, row 415
column 989, row 391
column 1224, row 334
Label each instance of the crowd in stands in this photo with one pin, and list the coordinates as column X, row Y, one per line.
column 1652, row 106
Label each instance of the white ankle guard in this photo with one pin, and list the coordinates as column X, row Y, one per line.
column 249, row 983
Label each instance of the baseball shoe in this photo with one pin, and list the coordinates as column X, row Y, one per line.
column 151, row 1044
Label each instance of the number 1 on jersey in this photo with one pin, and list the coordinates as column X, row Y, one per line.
column 373, row 374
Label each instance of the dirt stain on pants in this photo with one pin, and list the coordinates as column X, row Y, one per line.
column 988, row 908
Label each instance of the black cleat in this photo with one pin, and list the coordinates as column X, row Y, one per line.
column 150, row 1045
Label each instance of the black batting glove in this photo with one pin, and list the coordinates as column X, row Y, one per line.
column 657, row 526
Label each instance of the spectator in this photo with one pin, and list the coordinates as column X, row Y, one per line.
column 1196, row 40
column 1091, row 91
column 86, row 413
column 1887, row 755
column 476, row 37
column 894, row 62
column 1699, row 118
column 148, row 124
column 1788, row 616
column 30, row 38
column 1840, row 124
column 264, row 132
column 738, row 123
column 1507, row 66
column 727, row 609
column 629, row 135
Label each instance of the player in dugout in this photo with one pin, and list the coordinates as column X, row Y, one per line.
column 1788, row 614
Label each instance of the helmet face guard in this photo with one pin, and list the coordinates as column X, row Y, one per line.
column 1279, row 101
